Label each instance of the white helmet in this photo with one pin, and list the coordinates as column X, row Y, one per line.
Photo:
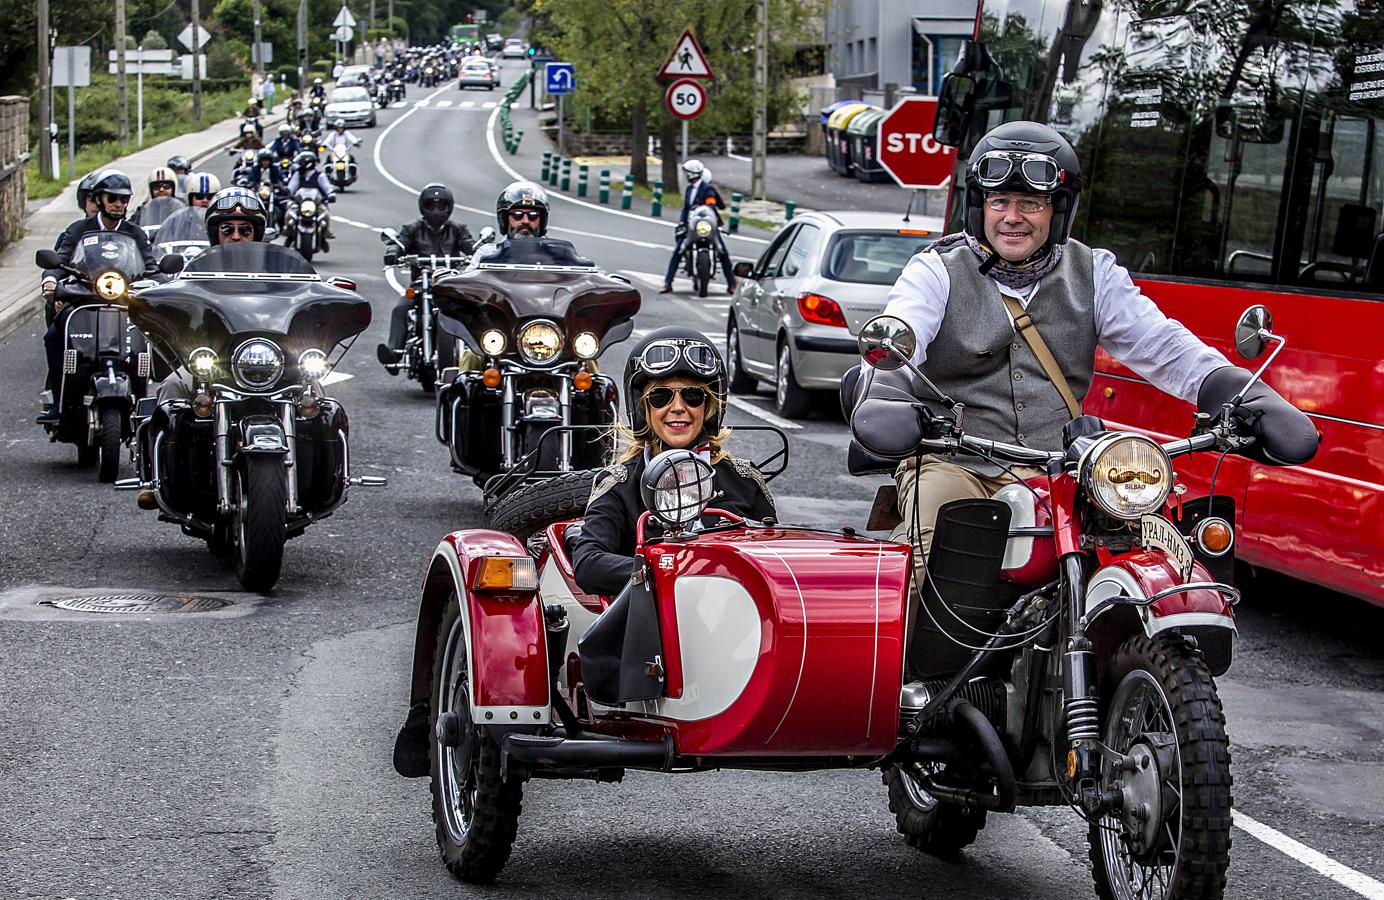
column 693, row 169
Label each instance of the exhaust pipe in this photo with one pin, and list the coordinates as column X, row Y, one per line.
column 588, row 753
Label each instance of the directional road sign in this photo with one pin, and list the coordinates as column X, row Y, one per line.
column 685, row 98
column 906, row 148
column 71, row 66
column 344, row 18
column 687, row 61
column 185, row 37
column 559, row 78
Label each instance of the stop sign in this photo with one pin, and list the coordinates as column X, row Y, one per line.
column 906, row 148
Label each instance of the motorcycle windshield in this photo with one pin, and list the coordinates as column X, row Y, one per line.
column 236, row 291
column 158, row 210
column 307, row 193
column 99, row 251
column 187, row 224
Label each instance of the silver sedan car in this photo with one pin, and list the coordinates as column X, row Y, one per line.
column 796, row 311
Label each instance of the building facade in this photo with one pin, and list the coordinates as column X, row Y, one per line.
column 877, row 47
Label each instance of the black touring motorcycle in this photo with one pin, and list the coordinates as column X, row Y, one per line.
column 257, row 452
column 427, row 351
column 529, row 401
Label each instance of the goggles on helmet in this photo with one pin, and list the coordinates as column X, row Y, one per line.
column 245, row 200
column 997, row 168
column 660, row 356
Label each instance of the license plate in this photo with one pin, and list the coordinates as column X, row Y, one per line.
column 1160, row 534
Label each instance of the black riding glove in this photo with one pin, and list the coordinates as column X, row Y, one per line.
column 1283, row 435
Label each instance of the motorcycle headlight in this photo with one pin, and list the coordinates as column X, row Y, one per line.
column 111, row 285
column 313, row 364
column 202, row 361
column 677, row 487
column 703, row 228
column 309, row 208
column 539, row 342
column 586, row 345
column 1127, row 475
column 341, row 165
column 264, row 193
column 257, row 364
column 493, row 342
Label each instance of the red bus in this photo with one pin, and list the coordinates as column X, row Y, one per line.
column 1234, row 154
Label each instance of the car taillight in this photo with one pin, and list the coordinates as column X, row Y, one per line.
column 821, row 310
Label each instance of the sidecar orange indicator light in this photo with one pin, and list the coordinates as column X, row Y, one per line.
column 1214, row 536
column 582, row 380
column 505, row 573
column 491, row 377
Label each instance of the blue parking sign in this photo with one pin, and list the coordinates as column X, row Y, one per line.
column 559, row 78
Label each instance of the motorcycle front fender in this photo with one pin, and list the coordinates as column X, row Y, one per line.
column 262, row 435
column 109, row 388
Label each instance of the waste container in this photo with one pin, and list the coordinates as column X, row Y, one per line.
column 838, row 145
column 830, row 147
column 862, row 135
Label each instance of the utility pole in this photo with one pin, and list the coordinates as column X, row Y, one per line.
column 372, row 19
column 258, row 53
column 196, row 64
column 761, row 99
column 390, row 24
column 121, row 102
column 45, row 111
column 302, row 48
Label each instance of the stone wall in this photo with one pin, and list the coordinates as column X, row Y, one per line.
column 14, row 169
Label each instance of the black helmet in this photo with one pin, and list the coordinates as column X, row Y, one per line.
column 305, row 161
column 522, row 195
column 179, row 164
column 668, row 352
column 235, row 203
column 265, row 156
column 114, row 182
column 1030, row 158
column 84, row 188
column 430, row 195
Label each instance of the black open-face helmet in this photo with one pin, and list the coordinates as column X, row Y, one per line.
column 84, row 188
column 436, row 203
column 112, row 183
column 179, row 164
column 674, row 351
column 1025, row 157
column 235, row 203
column 305, row 161
column 522, row 195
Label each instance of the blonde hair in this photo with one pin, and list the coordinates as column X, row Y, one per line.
column 630, row 443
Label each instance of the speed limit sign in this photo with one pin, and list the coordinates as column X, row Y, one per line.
column 685, row 99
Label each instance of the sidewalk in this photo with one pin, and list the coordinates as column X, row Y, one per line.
column 19, row 295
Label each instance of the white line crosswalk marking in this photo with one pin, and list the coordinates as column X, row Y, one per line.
column 442, row 103
column 467, row 104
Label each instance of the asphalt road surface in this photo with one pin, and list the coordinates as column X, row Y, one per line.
column 246, row 752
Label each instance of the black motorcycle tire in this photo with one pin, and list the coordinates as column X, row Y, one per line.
column 427, row 377
column 741, row 382
column 942, row 829
column 703, row 274
column 260, row 531
column 88, row 455
column 307, row 245
column 477, row 855
column 530, row 509
column 110, row 444
column 1188, row 693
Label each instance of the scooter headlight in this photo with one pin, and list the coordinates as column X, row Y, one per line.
column 586, row 345
column 677, row 487
column 539, row 342
column 493, row 342
column 202, row 361
column 257, row 364
column 111, row 286
column 703, row 228
column 1127, row 475
column 313, row 364
column 309, row 208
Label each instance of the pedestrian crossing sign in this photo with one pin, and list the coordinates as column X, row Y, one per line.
column 687, row 60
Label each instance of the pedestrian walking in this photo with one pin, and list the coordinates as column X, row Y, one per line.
column 337, row 70
column 269, row 91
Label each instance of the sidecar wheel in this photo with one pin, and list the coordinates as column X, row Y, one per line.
column 1161, row 711
column 928, row 824
column 475, row 810
column 533, row 507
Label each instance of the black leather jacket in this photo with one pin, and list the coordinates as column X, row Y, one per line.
column 452, row 239
column 603, row 555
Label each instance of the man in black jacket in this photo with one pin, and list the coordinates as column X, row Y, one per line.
column 112, row 192
column 433, row 233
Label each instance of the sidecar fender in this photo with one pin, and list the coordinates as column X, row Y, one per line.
column 507, row 652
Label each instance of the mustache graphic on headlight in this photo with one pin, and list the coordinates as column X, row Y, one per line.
column 1127, row 476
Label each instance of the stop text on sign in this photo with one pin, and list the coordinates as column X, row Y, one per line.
column 906, row 148
column 913, row 143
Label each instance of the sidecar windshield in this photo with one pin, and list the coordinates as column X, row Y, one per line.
column 101, row 250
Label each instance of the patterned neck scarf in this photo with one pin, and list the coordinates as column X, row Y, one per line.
column 1013, row 275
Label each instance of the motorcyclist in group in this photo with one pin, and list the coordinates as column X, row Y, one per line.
column 675, row 398
column 286, row 145
column 266, row 170
column 201, row 187
column 305, row 174
column 249, row 138
column 63, row 245
column 317, row 90
column 433, row 233
column 521, row 211
column 340, row 137
column 699, row 192
column 163, row 182
column 1016, row 263
column 112, row 192
column 181, row 167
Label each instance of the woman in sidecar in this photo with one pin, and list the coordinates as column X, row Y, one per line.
column 675, row 390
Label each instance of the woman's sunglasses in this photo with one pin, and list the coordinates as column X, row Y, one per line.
column 692, row 397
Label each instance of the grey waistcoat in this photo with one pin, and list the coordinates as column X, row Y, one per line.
column 979, row 359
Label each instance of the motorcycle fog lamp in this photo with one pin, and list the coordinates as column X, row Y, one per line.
column 202, row 362
column 678, row 487
column 111, row 285
column 313, row 364
column 340, row 166
column 309, row 208
column 1127, row 475
column 586, row 345
column 257, row 364
column 539, row 342
column 493, row 342
column 703, row 228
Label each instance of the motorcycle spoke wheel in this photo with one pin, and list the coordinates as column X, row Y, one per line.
column 1171, row 838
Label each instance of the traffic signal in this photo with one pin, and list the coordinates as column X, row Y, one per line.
column 533, row 51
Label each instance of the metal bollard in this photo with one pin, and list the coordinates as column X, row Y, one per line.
column 566, row 174
column 627, row 195
column 581, row 180
column 657, row 211
column 734, row 225
column 605, row 186
column 552, row 175
column 547, row 161
column 788, row 210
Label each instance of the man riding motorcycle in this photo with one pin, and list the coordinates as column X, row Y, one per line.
column 163, row 182
column 987, row 304
column 340, row 137
column 699, row 192
column 181, row 167
column 286, row 145
column 112, row 192
column 317, row 90
column 305, row 174
column 249, row 138
column 433, row 233
column 521, row 210
column 201, row 187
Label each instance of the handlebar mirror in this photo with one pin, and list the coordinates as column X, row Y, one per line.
column 389, row 234
column 171, row 264
column 886, row 342
column 47, row 258
column 1255, row 323
column 487, row 235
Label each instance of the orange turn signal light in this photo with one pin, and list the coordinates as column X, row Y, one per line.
column 410, row 293
column 913, row 231
column 1214, row 536
column 505, row 573
column 201, row 405
column 582, row 380
column 491, row 377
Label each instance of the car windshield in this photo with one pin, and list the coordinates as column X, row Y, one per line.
column 872, row 257
column 350, row 95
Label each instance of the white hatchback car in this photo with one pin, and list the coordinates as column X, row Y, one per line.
column 796, row 311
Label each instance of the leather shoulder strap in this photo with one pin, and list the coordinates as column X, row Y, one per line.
column 1026, row 326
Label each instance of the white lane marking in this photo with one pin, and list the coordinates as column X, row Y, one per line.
column 467, row 104
column 489, row 104
column 336, row 378
column 1320, row 863
column 366, row 225
column 398, row 104
column 421, row 103
column 445, row 103
column 514, row 173
column 802, row 663
column 755, row 410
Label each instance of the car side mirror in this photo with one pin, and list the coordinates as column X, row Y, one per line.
column 171, row 264
column 954, row 110
column 743, row 269
column 1253, row 329
column 47, row 258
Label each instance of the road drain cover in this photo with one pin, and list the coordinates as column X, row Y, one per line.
column 139, row 603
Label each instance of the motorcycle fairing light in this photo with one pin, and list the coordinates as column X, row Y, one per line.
column 257, row 364
column 703, row 228
column 309, row 208
column 678, row 487
column 1127, row 475
column 314, row 364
